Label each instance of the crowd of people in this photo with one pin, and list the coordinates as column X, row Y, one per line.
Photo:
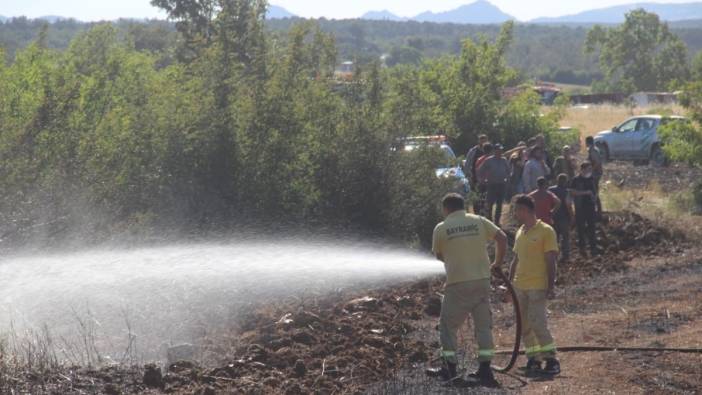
column 549, row 197
column 565, row 192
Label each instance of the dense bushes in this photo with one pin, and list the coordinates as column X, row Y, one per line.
column 243, row 125
column 683, row 140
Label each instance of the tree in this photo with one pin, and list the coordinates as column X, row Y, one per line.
column 697, row 67
column 404, row 55
column 642, row 54
column 683, row 140
column 193, row 18
column 252, row 124
column 358, row 35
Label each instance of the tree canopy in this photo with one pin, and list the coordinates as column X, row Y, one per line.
column 642, row 54
column 549, row 53
column 233, row 121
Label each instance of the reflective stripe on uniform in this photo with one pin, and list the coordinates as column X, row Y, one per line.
column 533, row 350
column 549, row 348
column 445, row 353
column 486, row 353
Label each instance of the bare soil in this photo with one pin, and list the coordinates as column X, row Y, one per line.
column 645, row 290
column 670, row 179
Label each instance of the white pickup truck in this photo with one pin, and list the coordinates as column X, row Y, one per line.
column 636, row 139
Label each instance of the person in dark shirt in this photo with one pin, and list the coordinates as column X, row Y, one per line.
column 472, row 157
column 471, row 169
column 584, row 192
column 494, row 173
column 563, row 218
column 548, row 159
column 516, row 165
column 594, row 156
column 479, row 204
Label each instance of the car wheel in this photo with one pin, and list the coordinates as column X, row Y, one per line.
column 658, row 158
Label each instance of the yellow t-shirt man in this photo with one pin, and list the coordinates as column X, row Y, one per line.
column 531, row 248
column 462, row 241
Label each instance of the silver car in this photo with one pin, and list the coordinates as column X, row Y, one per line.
column 636, row 139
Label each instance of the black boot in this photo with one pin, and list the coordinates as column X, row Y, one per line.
column 553, row 367
column 484, row 375
column 532, row 368
column 446, row 372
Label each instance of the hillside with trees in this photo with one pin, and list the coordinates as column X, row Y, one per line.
column 551, row 53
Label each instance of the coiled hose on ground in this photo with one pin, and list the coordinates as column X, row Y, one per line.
column 516, row 352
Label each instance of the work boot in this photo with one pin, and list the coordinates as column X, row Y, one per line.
column 553, row 367
column 484, row 375
column 532, row 368
column 446, row 372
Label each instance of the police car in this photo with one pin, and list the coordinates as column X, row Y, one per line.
column 636, row 139
column 449, row 168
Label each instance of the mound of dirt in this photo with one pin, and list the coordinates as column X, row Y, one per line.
column 621, row 237
column 338, row 347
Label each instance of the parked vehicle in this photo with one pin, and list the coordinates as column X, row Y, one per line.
column 636, row 139
column 448, row 168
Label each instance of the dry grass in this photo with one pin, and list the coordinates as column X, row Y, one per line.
column 590, row 120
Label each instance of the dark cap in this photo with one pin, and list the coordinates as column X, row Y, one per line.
column 498, row 147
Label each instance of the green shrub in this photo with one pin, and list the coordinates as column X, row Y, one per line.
column 241, row 126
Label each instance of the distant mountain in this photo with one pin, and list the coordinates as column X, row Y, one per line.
column 686, row 24
column 479, row 12
column 277, row 12
column 384, row 15
column 274, row 12
column 667, row 12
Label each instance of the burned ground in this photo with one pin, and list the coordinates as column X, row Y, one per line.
column 379, row 340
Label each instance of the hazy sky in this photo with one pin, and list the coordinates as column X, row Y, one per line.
column 90, row 10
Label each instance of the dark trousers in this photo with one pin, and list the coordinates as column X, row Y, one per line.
column 495, row 197
column 562, row 228
column 479, row 202
column 597, row 178
column 585, row 219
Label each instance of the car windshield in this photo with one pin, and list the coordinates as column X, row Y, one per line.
column 628, row 126
column 450, row 155
column 447, row 159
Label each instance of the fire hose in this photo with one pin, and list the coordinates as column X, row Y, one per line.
column 516, row 352
column 518, row 319
column 611, row 348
